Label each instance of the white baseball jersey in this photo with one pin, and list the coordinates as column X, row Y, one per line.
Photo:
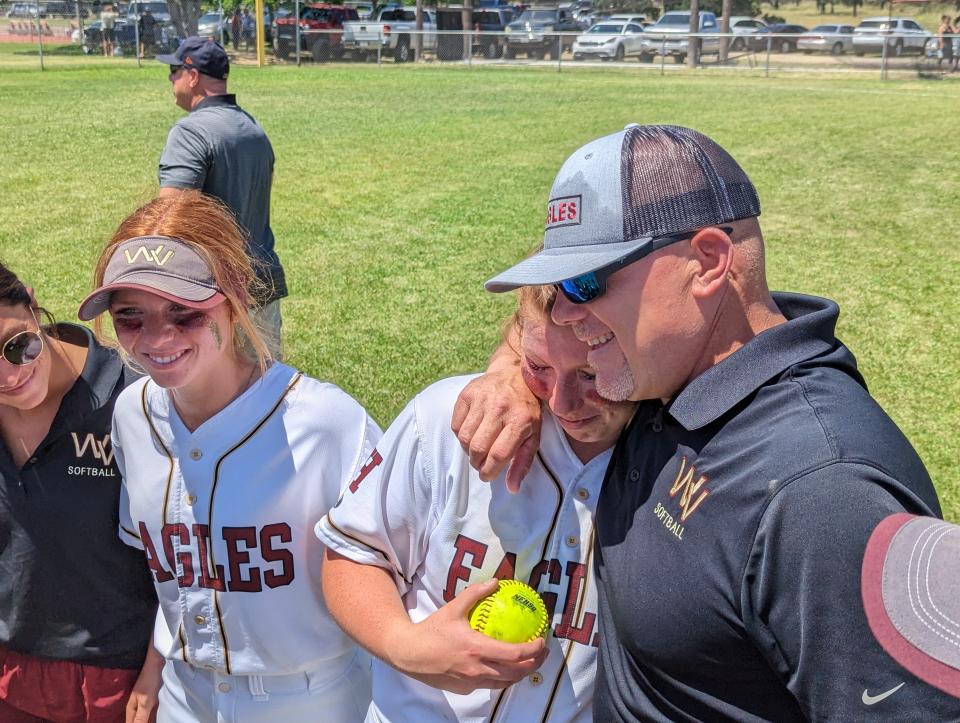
column 422, row 512
column 225, row 516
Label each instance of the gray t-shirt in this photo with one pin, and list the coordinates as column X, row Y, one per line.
column 221, row 150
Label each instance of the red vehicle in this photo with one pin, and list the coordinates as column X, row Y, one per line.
column 317, row 25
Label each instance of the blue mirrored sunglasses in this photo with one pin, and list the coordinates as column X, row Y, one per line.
column 586, row 287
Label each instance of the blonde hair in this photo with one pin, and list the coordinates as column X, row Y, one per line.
column 211, row 230
column 534, row 303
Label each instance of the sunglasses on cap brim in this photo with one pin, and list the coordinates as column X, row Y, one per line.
column 23, row 347
column 592, row 285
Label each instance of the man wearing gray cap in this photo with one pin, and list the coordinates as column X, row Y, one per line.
column 221, row 150
column 739, row 501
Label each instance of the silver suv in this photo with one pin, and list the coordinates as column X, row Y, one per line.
column 668, row 36
column 902, row 36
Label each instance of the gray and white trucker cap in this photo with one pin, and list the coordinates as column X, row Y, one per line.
column 168, row 267
column 622, row 191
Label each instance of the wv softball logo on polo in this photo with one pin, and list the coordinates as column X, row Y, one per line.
column 692, row 491
column 157, row 255
column 96, row 448
column 564, row 211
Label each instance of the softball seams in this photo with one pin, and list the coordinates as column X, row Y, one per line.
column 511, row 590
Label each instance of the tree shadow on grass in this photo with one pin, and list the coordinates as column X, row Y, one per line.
column 68, row 50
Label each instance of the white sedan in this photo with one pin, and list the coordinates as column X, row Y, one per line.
column 607, row 41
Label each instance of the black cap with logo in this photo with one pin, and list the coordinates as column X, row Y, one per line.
column 204, row 54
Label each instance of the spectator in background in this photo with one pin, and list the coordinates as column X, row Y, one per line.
column 945, row 42
column 248, row 29
column 148, row 32
column 108, row 19
column 236, row 27
column 221, row 150
column 956, row 42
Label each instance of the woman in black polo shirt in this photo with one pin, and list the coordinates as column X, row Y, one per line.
column 76, row 604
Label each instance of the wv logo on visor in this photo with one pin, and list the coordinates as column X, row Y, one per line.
column 101, row 448
column 156, row 256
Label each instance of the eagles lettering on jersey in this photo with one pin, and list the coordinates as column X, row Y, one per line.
column 470, row 556
column 192, row 562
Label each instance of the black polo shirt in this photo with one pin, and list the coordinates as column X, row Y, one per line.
column 69, row 588
column 731, row 530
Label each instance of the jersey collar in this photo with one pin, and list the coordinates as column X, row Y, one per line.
column 212, row 101
column 808, row 332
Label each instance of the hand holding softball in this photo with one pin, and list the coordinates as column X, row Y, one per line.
column 513, row 613
column 443, row 652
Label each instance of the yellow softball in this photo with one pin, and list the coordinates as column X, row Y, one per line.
column 514, row 613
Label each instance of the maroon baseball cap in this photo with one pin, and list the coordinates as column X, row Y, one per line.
column 910, row 582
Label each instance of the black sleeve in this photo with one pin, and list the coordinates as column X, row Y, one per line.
column 802, row 604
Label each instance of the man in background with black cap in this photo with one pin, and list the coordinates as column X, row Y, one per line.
column 221, row 150
column 738, row 504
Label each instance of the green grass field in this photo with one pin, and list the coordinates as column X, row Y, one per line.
column 400, row 189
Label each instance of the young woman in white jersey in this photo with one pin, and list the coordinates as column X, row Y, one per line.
column 228, row 458
column 420, row 535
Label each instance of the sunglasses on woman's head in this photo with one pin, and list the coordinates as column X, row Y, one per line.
column 24, row 347
column 592, row 285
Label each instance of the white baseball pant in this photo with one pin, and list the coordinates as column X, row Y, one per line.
column 338, row 692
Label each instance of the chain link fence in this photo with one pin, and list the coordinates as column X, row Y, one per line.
column 42, row 32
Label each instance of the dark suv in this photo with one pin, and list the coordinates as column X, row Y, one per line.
column 316, row 22
column 533, row 32
column 490, row 20
column 488, row 26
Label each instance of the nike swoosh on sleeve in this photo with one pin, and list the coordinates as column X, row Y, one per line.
column 874, row 699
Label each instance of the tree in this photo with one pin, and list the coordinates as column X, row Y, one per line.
column 737, row 7
column 854, row 4
column 184, row 14
column 724, row 30
column 693, row 44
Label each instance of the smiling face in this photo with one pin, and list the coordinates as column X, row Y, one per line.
column 645, row 334
column 22, row 386
column 554, row 366
column 177, row 346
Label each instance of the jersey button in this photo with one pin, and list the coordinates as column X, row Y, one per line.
column 195, row 454
column 199, row 620
column 582, row 494
column 536, row 679
column 224, row 687
column 572, row 541
column 190, row 499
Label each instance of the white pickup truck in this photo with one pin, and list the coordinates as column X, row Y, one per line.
column 393, row 32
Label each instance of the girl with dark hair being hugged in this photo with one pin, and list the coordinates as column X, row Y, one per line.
column 76, row 606
column 228, row 459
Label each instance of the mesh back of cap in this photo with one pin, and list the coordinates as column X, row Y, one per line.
column 675, row 179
